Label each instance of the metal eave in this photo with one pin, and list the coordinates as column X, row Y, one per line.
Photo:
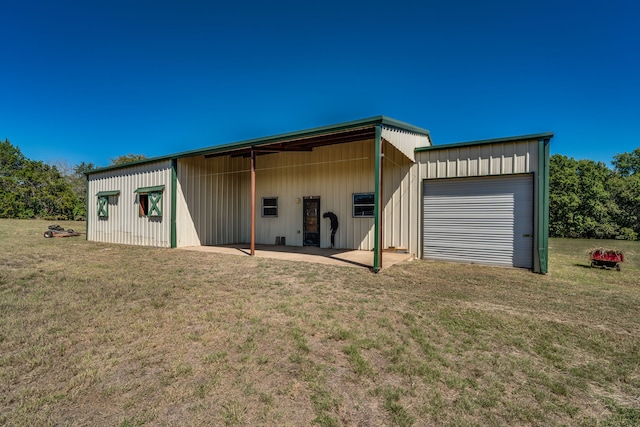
column 154, row 189
column 532, row 137
column 108, row 193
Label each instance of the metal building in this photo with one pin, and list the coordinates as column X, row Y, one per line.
column 384, row 180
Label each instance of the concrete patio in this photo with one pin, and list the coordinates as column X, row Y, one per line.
column 340, row 257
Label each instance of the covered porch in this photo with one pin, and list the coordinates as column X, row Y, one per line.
column 258, row 191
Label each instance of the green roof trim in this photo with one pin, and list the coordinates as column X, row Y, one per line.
column 155, row 189
column 257, row 142
column 532, row 137
column 108, row 193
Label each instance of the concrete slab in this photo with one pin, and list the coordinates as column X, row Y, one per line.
column 349, row 258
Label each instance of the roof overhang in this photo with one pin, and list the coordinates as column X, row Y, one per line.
column 396, row 133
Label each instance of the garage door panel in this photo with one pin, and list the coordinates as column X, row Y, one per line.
column 485, row 220
column 469, row 235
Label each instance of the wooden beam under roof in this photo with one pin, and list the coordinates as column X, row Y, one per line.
column 302, row 144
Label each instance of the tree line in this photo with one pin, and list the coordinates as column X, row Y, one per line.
column 34, row 189
column 587, row 199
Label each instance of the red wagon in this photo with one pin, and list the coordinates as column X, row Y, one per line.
column 605, row 258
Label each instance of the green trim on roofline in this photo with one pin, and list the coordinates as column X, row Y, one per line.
column 108, row 193
column 534, row 137
column 150, row 189
column 370, row 122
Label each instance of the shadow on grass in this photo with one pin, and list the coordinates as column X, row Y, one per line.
column 596, row 267
column 582, row 265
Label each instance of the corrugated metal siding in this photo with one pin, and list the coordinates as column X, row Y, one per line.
column 214, row 196
column 404, row 141
column 213, row 202
column 401, row 190
column 479, row 160
column 482, row 220
column 124, row 224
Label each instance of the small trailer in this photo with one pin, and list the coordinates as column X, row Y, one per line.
column 57, row 231
column 604, row 258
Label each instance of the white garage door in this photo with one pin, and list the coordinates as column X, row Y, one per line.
column 486, row 220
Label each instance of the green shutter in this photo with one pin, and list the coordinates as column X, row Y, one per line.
column 155, row 204
column 103, row 207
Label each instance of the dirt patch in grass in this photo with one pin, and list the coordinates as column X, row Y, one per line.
column 98, row 334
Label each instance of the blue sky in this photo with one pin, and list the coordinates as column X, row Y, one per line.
column 92, row 80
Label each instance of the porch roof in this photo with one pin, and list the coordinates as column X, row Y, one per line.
column 402, row 135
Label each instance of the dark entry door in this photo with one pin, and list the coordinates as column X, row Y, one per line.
column 311, row 220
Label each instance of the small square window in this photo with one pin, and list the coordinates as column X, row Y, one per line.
column 363, row 204
column 150, row 200
column 270, row 207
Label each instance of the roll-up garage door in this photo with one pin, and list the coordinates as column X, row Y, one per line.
column 486, row 220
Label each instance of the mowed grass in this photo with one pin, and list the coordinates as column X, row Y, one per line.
column 100, row 334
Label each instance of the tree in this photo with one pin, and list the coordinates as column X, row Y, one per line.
column 32, row 189
column 625, row 190
column 11, row 165
column 596, row 205
column 626, row 164
column 564, row 200
column 580, row 201
column 78, row 181
column 127, row 158
column 83, row 168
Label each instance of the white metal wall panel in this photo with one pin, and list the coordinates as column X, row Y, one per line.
column 213, row 202
column 124, row 225
column 479, row 160
column 401, row 197
column 486, row 220
column 332, row 173
column 405, row 141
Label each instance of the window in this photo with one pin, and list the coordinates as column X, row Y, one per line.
column 270, row 207
column 103, row 202
column 363, row 205
column 150, row 200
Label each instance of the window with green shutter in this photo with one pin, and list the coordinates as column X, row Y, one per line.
column 103, row 206
column 103, row 202
column 150, row 200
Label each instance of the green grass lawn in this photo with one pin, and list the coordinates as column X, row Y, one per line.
column 100, row 334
